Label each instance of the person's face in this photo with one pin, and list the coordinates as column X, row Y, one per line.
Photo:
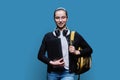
column 60, row 19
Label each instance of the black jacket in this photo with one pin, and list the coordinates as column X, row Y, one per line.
column 78, row 42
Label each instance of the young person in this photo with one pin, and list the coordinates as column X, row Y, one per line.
column 62, row 68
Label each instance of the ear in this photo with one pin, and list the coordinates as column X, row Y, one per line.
column 65, row 32
column 56, row 33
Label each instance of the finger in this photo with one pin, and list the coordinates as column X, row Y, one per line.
column 61, row 59
column 70, row 46
column 62, row 63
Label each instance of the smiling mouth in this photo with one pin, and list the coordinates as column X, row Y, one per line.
column 60, row 23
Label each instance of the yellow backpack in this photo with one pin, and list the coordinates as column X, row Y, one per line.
column 83, row 62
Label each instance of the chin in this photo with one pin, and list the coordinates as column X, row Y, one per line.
column 61, row 27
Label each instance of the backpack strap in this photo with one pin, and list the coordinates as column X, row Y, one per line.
column 72, row 37
column 71, row 43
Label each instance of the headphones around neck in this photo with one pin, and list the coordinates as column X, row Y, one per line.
column 65, row 32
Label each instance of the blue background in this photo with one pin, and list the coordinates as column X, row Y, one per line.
column 23, row 24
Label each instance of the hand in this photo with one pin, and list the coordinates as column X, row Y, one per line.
column 71, row 49
column 58, row 62
column 77, row 52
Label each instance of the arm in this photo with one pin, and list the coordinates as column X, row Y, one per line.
column 85, row 50
column 80, row 46
column 42, row 56
column 42, row 51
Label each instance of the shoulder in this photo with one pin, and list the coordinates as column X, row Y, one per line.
column 76, row 33
column 49, row 35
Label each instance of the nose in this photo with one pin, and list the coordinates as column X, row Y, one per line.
column 60, row 19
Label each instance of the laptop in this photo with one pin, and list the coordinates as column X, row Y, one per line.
column 54, row 49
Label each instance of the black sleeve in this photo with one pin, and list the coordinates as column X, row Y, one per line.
column 42, row 51
column 86, row 49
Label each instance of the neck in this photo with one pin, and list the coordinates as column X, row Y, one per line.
column 62, row 28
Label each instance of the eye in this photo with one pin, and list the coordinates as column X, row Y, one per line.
column 63, row 17
column 57, row 17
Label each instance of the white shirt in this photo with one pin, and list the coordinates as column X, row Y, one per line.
column 65, row 52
